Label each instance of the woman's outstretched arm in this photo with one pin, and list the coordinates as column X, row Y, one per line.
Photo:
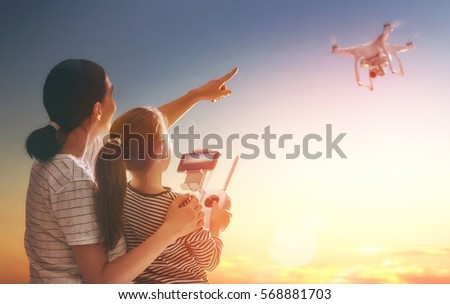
column 212, row 90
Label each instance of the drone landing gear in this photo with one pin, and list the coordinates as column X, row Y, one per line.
column 369, row 86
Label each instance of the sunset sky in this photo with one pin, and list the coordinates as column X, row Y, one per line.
column 382, row 215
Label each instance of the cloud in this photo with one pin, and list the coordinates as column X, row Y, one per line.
column 385, row 272
column 423, row 252
column 426, row 279
column 406, row 253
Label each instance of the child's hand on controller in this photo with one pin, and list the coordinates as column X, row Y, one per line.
column 220, row 217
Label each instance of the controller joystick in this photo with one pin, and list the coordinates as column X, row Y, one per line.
column 209, row 201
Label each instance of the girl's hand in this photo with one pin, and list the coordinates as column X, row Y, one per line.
column 220, row 217
column 185, row 215
column 214, row 89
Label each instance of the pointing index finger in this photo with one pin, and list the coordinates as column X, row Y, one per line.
column 228, row 76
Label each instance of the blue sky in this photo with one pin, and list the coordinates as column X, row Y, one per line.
column 154, row 51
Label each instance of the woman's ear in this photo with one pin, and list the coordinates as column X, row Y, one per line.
column 97, row 111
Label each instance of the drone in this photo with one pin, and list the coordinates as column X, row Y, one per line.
column 375, row 55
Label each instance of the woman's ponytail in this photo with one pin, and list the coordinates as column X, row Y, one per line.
column 42, row 144
column 111, row 181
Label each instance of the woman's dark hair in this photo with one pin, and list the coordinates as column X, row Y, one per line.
column 70, row 92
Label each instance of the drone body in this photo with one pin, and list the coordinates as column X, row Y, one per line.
column 375, row 55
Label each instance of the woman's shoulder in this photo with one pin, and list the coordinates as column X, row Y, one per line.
column 63, row 169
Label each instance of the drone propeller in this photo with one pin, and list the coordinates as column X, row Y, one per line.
column 415, row 37
column 333, row 48
column 393, row 25
column 333, row 42
column 409, row 43
column 397, row 24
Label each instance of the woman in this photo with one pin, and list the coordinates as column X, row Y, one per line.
column 62, row 239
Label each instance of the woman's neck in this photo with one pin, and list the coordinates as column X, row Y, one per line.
column 149, row 182
column 76, row 142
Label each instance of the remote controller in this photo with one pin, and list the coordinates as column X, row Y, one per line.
column 196, row 165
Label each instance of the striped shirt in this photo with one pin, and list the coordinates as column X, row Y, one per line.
column 187, row 259
column 60, row 214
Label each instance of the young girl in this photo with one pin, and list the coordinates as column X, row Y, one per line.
column 64, row 237
column 147, row 201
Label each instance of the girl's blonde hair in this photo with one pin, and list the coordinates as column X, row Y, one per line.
column 135, row 136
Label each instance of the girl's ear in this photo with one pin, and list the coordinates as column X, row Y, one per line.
column 160, row 149
column 97, row 111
